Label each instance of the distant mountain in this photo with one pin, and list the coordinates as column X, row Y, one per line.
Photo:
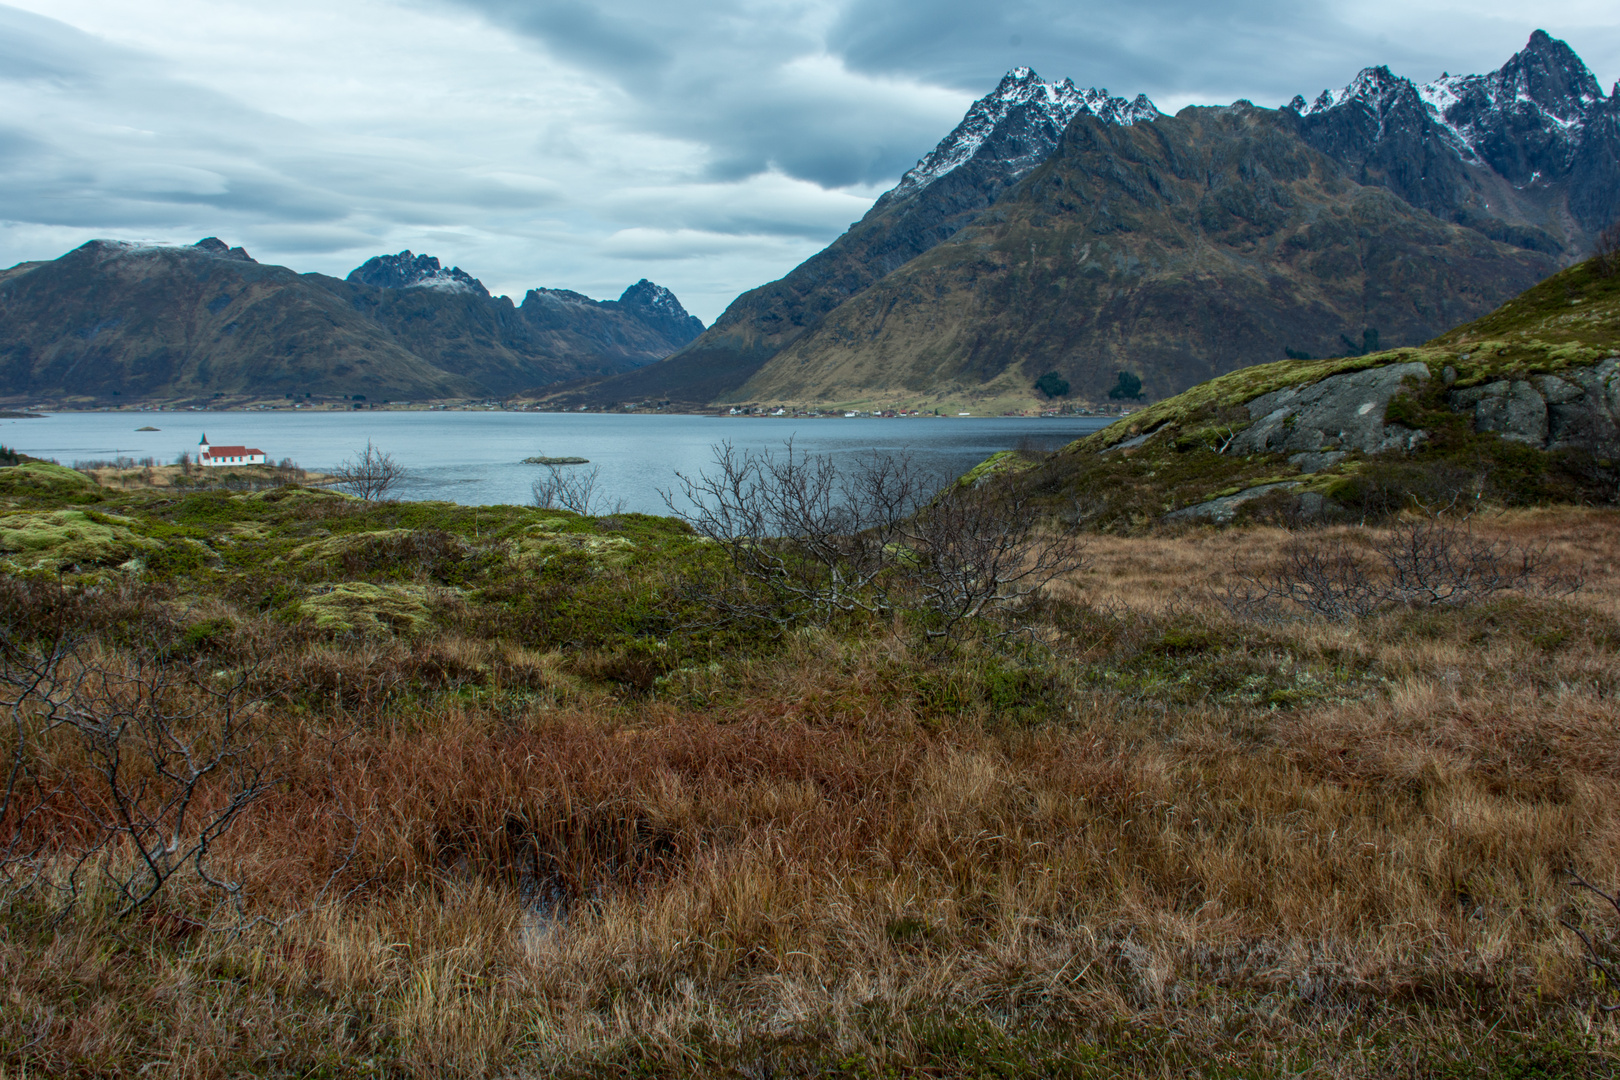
column 113, row 319
column 407, row 271
column 1004, row 135
column 1499, row 179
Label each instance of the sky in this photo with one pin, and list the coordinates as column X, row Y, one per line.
column 708, row 145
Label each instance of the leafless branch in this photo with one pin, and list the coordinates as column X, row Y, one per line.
column 808, row 541
column 371, row 476
column 1603, row 965
column 151, row 760
column 568, row 488
column 977, row 551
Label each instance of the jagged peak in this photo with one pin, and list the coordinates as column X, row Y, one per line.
column 1546, row 76
column 1375, row 87
column 410, row 271
column 653, row 297
column 1059, row 102
column 213, row 245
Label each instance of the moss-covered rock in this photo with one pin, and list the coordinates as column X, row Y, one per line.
column 34, row 481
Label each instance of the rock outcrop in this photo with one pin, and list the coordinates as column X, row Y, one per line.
column 1320, row 423
column 1576, row 409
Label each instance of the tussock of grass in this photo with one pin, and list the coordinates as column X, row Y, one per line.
column 359, row 607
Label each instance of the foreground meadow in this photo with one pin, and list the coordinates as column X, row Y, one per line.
column 308, row 786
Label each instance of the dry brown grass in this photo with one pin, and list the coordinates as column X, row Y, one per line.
column 805, row 865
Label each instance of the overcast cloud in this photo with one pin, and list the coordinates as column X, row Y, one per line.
column 709, row 146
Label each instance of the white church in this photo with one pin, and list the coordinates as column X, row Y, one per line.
column 227, row 455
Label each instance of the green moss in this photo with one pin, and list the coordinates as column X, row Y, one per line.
column 1001, row 463
column 37, row 482
column 60, row 539
column 360, row 607
column 1572, row 319
column 1222, row 393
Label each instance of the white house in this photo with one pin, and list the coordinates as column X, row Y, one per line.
column 227, row 455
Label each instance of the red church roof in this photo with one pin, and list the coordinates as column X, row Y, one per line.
column 231, row 451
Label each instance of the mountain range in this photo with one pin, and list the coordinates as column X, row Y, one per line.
column 1068, row 230
column 112, row 319
column 1059, row 235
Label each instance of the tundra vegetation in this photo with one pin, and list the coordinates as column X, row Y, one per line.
column 831, row 773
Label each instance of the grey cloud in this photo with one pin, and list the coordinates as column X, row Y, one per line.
column 614, row 40
column 723, row 76
column 1163, row 47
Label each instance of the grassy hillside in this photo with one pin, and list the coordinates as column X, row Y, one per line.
column 1570, row 320
column 1179, row 250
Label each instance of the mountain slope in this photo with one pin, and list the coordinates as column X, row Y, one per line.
column 1179, row 250
column 113, row 319
column 1527, row 156
column 110, row 319
column 1004, row 135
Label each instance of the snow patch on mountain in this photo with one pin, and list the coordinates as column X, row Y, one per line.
column 654, row 298
column 408, row 271
column 1055, row 103
column 1545, row 85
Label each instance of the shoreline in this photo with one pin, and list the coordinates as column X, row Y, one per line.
column 45, row 411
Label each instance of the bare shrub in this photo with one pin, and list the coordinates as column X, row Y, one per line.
column 1600, row 958
column 807, row 540
column 1417, row 562
column 571, row 489
column 813, row 540
column 127, row 771
column 371, row 476
column 975, row 551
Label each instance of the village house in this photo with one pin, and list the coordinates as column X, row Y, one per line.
column 227, row 455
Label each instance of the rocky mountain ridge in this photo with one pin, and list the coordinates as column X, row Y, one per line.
column 1176, row 250
column 1047, row 109
column 1527, row 157
column 1529, row 153
column 113, row 320
column 408, row 271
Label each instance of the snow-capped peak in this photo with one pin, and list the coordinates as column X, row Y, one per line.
column 408, row 271
column 1544, row 85
column 1053, row 104
column 1374, row 86
column 653, row 297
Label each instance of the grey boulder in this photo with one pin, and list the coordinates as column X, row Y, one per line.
column 1577, row 409
column 1338, row 414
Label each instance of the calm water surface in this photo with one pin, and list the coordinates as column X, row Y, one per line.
column 475, row 458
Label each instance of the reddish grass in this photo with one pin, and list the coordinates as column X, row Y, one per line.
column 819, row 861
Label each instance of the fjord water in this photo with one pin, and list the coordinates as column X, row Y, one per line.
column 475, row 458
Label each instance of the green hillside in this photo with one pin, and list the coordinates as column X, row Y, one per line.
column 1557, row 338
